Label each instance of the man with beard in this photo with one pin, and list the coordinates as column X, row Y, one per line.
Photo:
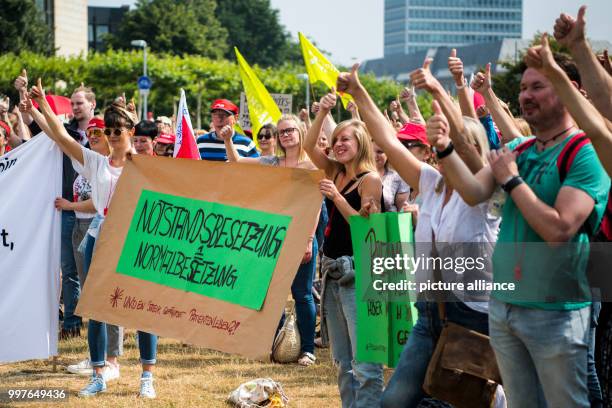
column 556, row 196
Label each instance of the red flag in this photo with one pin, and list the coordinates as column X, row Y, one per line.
column 185, row 146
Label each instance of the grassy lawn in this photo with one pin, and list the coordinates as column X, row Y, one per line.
column 184, row 377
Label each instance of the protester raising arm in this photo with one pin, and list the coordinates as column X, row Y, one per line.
column 226, row 133
column 396, row 106
column 422, row 78
column 466, row 103
column 56, row 130
column 408, row 95
column 383, row 134
column 312, row 135
column 596, row 81
column 583, row 112
column 473, row 188
column 482, row 85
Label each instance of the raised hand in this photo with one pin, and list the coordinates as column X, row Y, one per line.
column 328, row 102
column 482, row 82
column 303, row 115
column 422, row 78
column 21, row 83
column 349, row 81
column 226, row 132
column 455, row 66
column 395, row 106
column 604, row 60
column 25, row 106
column 4, row 105
column 438, row 128
column 569, row 31
column 315, row 108
column 540, row 57
column 482, row 111
column 408, row 93
column 37, row 92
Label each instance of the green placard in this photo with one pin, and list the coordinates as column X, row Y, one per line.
column 384, row 321
column 220, row 251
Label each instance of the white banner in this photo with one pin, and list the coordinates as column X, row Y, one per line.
column 30, row 179
column 284, row 102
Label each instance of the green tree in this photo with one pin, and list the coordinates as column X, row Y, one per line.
column 23, row 28
column 173, row 26
column 254, row 27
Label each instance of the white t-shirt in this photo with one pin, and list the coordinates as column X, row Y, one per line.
column 101, row 175
column 393, row 185
column 454, row 223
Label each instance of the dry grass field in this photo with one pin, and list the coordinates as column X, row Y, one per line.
column 184, row 377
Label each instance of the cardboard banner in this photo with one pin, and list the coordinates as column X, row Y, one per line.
column 383, row 325
column 31, row 179
column 207, row 258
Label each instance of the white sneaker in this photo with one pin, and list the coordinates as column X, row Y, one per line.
column 81, row 368
column 110, row 372
column 146, row 387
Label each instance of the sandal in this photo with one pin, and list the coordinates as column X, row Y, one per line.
column 307, row 359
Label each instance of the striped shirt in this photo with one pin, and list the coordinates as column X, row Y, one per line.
column 213, row 149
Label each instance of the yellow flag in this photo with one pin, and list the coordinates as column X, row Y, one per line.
column 319, row 68
column 262, row 108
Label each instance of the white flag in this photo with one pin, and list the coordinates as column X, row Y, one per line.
column 30, row 180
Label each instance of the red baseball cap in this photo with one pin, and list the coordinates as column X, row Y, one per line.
column 224, row 105
column 96, row 123
column 166, row 138
column 413, row 132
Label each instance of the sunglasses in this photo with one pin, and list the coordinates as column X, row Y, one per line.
column 95, row 132
column 287, row 131
column 116, row 131
column 266, row 136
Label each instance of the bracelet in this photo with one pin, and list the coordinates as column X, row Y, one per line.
column 442, row 154
column 458, row 87
column 512, row 184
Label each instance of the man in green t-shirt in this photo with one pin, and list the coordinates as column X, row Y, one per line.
column 539, row 330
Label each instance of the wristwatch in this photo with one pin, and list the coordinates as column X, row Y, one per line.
column 443, row 153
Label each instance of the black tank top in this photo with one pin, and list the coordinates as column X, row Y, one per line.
column 338, row 241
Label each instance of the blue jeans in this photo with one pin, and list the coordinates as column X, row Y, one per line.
column 305, row 309
column 595, row 396
column 541, row 354
column 114, row 333
column 70, row 279
column 405, row 388
column 360, row 384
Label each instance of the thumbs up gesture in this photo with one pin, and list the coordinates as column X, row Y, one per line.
column 349, row 81
column 328, row 102
column 570, row 31
column 482, row 81
column 540, row 57
column 423, row 79
column 438, row 128
column 455, row 66
column 21, row 83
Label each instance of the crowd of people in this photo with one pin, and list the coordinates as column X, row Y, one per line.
column 471, row 173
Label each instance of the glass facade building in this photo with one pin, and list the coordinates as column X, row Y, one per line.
column 413, row 25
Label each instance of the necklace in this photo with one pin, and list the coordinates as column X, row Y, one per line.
column 552, row 139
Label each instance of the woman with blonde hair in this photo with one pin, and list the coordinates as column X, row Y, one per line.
column 352, row 185
column 290, row 153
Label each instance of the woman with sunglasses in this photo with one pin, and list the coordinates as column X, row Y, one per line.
column 351, row 186
column 290, row 153
column 103, row 173
column 266, row 137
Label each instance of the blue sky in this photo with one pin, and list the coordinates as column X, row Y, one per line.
column 353, row 29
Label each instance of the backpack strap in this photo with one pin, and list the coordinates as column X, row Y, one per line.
column 568, row 154
column 525, row 145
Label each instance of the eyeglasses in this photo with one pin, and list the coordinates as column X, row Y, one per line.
column 116, row 131
column 95, row 132
column 287, row 131
column 266, row 136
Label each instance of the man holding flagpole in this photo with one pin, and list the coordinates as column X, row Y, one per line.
column 212, row 146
